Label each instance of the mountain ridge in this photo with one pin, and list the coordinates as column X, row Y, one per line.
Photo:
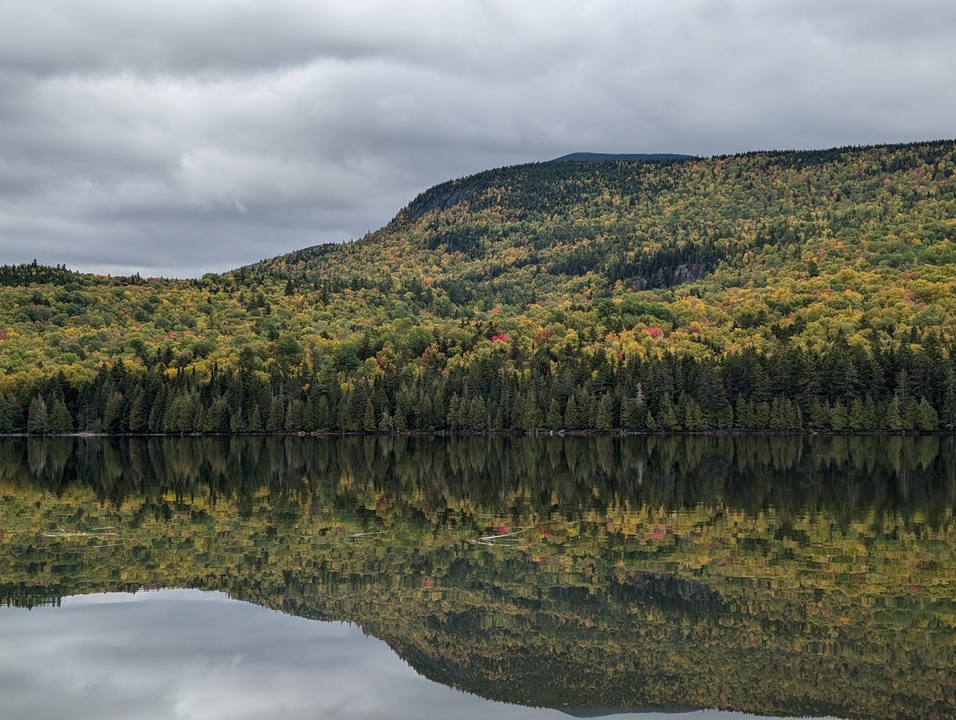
column 622, row 157
column 778, row 290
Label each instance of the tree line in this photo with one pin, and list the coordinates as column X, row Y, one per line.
column 843, row 389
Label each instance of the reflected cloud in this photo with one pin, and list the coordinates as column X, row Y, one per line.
column 190, row 654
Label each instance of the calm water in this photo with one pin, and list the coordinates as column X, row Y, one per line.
column 531, row 578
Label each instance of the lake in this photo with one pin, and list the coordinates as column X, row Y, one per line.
column 539, row 577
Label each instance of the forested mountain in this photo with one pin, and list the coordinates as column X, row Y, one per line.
column 771, row 290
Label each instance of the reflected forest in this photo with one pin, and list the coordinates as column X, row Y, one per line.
column 775, row 575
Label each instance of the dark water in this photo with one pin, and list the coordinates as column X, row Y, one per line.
column 543, row 577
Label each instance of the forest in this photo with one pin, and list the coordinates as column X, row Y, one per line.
column 765, row 292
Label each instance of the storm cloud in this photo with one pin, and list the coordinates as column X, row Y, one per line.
column 192, row 136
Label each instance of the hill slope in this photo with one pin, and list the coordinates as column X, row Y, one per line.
column 766, row 290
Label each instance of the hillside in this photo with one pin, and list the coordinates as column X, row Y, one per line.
column 781, row 290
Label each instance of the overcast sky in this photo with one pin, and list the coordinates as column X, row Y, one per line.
column 194, row 136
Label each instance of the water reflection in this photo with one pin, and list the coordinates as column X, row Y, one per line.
column 805, row 576
column 177, row 653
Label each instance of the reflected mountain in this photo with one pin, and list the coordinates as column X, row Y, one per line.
column 780, row 576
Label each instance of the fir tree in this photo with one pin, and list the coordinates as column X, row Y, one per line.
column 38, row 421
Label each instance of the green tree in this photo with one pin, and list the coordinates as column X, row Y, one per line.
column 60, row 419
column 38, row 420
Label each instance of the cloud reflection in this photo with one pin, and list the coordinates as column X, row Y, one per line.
column 189, row 654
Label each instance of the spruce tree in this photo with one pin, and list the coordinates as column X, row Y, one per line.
column 38, row 421
column 927, row 419
column 60, row 419
column 605, row 413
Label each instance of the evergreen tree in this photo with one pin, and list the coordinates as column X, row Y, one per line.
column 114, row 419
column 453, row 420
column 571, row 415
column 692, row 415
column 553, row 420
column 217, row 417
column 255, row 422
column 634, row 411
column 157, row 412
column 605, row 413
column 926, row 419
column 893, row 418
column 276, row 421
column 838, row 417
column 369, row 423
column 948, row 410
column 293, row 415
column 139, row 412
column 8, row 413
column 38, row 420
column 819, row 415
column 478, row 414
column 667, row 415
column 60, row 419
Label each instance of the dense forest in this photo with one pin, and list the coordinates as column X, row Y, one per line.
column 722, row 572
column 771, row 291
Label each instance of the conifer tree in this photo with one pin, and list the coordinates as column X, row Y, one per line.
column 605, row 413
column 7, row 414
column 38, row 420
column 60, row 419
column 926, row 419
column 553, row 419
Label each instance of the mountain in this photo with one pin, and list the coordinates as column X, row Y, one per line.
column 622, row 157
column 769, row 290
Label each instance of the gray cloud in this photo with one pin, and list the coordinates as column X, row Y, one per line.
column 193, row 136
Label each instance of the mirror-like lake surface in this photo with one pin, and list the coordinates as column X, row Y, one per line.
column 485, row 577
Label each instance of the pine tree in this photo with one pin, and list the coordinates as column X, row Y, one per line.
column 158, row 409
column 368, row 417
column 38, row 421
column 453, row 419
column 947, row 417
column 743, row 417
column 927, row 419
column 276, row 421
column 633, row 414
column 478, row 414
column 256, row 423
column 692, row 414
column 114, row 420
column 819, row 415
column 667, row 415
column 838, row 417
column 8, row 410
column 605, row 413
column 553, row 420
column 217, row 417
column 571, row 414
column 60, row 419
column 139, row 412
column 293, row 415
column 893, row 418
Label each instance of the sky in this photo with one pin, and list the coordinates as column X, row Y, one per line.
column 201, row 656
column 192, row 136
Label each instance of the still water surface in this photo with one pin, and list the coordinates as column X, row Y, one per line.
column 531, row 578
